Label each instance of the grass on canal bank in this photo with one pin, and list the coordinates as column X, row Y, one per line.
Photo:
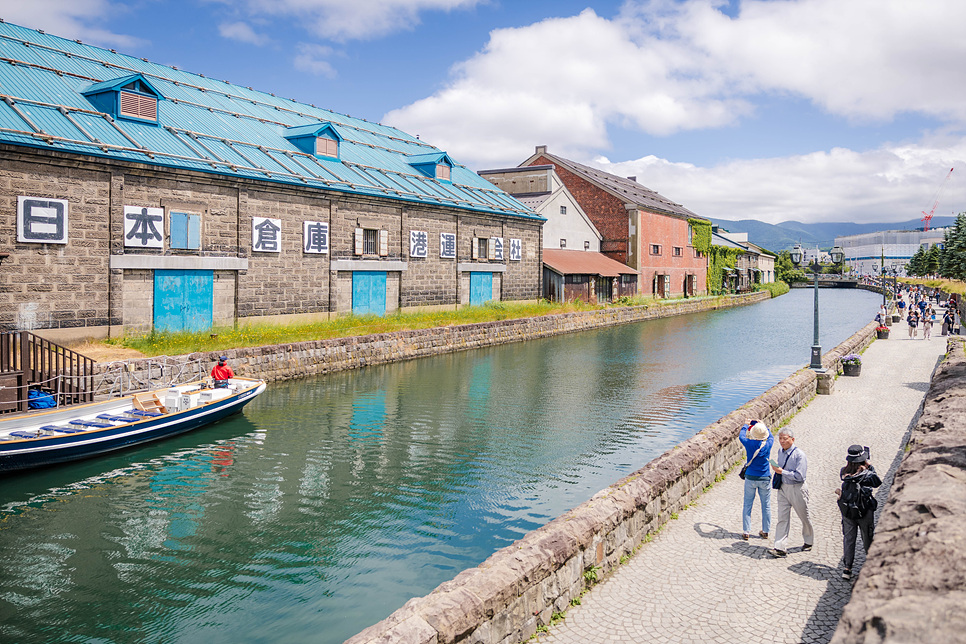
column 224, row 338
column 949, row 286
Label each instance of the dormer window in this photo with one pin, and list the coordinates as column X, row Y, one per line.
column 321, row 140
column 437, row 165
column 130, row 97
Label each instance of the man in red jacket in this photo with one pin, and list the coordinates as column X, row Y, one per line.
column 221, row 372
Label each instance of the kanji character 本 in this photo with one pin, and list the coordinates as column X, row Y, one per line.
column 315, row 235
column 140, row 227
column 265, row 234
column 418, row 243
column 447, row 245
column 516, row 250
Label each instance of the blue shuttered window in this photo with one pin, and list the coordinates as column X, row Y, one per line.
column 185, row 231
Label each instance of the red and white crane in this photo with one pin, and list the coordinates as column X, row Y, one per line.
column 927, row 216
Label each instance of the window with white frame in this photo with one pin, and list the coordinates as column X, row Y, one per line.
column 442, row 172
column 371, row 241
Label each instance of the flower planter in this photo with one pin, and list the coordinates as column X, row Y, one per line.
column 881, row 335
column 888, row 320
column 851, row 369
column 895, row 318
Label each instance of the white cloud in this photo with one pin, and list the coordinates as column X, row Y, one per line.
column 242, row 32
column 667, row 66
column 890, row 183
column 76, row 19
column 340, row 20
column 312, row 59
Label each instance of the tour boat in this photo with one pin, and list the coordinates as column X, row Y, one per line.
column 79, row 431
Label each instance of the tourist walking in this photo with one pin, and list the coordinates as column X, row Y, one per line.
column 792, row 493
column 857, row 503
column 758, row 442
column 913, row 322
column 948, row 320
column 927, row 321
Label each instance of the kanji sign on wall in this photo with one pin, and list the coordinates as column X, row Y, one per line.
column 41, row 221
column 496, row 244
column 315, row 237
column 265, row 234
column 418, row 243
column 516, row 250
column 143, row 227
column 447, row 246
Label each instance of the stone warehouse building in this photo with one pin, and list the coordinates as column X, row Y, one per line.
column 138, row 196
column 639, row 227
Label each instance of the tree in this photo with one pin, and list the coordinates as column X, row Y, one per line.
column 932, row 261
column 954, row 257
column 917, row 263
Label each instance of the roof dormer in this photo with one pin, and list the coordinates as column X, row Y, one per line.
column 437, row 165
column 321, row 140
column 131, row 97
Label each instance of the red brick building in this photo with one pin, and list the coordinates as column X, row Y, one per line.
column 640, row 228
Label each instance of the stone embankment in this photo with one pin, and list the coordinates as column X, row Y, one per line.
column 913, row 585
column 506, row 598
column 301, row 359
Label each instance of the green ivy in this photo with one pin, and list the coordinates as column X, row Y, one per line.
column 701, row 237
column 720, row 258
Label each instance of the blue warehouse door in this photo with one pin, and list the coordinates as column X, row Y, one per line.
column 183, row 300
column 481, row 288
column 368, row 293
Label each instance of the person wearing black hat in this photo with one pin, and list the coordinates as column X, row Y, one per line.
column 857, row 503
column 221, row 372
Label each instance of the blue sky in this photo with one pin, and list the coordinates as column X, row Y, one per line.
column 807, row 110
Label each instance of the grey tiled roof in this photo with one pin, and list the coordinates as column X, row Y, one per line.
column 629, row 191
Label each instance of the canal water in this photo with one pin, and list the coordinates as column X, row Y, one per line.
column 330, row 502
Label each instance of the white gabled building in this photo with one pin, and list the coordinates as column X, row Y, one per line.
column 540, row 188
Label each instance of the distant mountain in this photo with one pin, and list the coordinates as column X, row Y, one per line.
column 783, row 236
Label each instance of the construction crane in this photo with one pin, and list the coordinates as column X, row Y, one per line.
column 927, row 216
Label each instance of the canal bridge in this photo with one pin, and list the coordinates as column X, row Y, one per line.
column 828, row 281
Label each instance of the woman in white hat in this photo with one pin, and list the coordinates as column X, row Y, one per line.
column 758, row 442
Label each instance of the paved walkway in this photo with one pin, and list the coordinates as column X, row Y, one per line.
column 697, row 581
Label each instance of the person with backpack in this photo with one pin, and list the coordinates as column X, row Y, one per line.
column 857, row 503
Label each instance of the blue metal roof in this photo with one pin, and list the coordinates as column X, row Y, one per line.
column 213, row 126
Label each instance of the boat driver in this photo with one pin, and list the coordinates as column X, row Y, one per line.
column 221, row 372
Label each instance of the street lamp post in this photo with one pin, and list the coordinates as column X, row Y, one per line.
column 796, row 256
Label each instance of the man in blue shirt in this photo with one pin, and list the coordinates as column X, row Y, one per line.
column 792, row 466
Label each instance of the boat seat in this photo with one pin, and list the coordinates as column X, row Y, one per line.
column 116, row 419
column 149, row 401
column 145, row 414
column 26, row 434
column 60, row 429
column 90, row 423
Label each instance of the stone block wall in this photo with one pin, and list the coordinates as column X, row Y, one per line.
column 912, row 587
column 301, row 359
column 54, row 285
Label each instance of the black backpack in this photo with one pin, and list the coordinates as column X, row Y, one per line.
column 856, row 500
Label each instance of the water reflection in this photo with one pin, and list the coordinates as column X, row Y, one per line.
column 331, row 502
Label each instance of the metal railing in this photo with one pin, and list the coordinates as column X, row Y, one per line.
column 28, row 361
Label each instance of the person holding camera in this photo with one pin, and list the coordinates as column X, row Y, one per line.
column 758, row 442
column 857, row 503
column 792, row 492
